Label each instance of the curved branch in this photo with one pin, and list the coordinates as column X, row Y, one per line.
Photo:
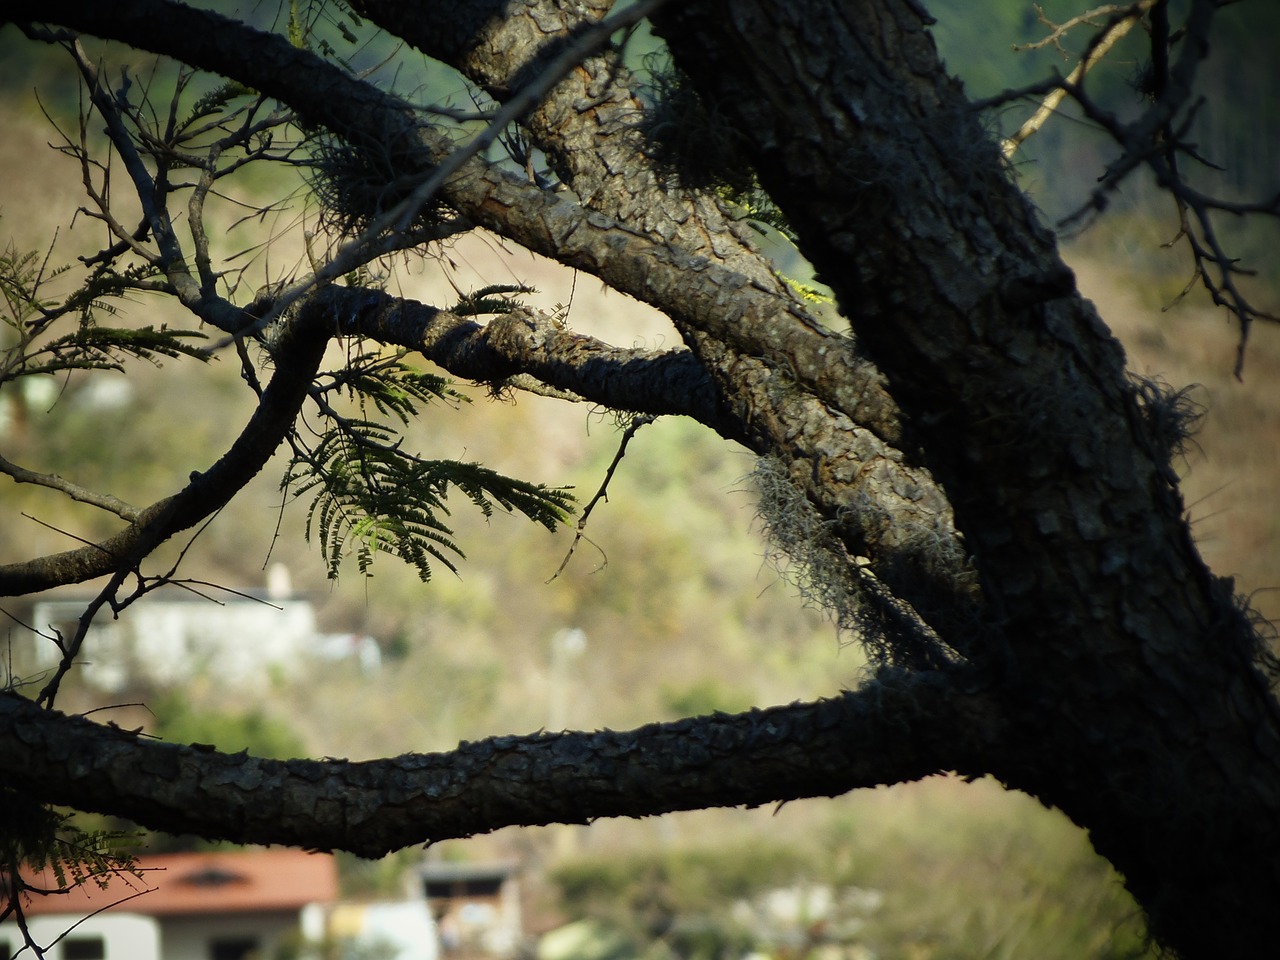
column 890, row 731
column 298, row 355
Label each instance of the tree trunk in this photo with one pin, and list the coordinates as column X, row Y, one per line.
column 1126, row 668
column 978, row 451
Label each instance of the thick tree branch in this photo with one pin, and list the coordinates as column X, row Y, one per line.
column 794, row 371
column 1105, row 618
column 528, row 342
column 724, row 302
column 892, row 730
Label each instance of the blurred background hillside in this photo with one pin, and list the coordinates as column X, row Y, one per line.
column 669, row 606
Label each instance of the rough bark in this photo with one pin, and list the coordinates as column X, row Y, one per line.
column 1128, row 663
column 1090, row 657
column 900, row 729
column 778, row 372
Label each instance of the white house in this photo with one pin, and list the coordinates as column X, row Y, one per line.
column 174, row 635
column 476, row 906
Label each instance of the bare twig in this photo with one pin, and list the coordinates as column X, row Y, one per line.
column 1058, row 31
column 603, row 493
column 1157, row 140
column 1121, row 22
column 76, row 492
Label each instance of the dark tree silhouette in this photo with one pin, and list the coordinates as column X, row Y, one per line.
column 988, row 492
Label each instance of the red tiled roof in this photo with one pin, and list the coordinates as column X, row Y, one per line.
column 249, row 881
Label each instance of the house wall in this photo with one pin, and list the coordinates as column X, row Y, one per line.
column 194, row 938
column 387, row 930
column 104, row 936
column 169, row 642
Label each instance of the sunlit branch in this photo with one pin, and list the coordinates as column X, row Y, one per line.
column 524, row 341
column 74, row 491
column 1123, row 20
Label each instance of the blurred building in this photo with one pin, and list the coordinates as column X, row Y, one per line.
column 170, row 637
column 476, row 907
column 186, row 906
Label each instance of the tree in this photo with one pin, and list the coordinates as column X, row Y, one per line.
column 980, row 490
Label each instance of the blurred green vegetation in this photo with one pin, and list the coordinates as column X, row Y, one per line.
column 935, row 872
column 1236, row 126
column 262, row 735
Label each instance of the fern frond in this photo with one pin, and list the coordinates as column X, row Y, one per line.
column 395, row 388
column 371, row 497
column 106, row 348
column 215, row 100
column 35, row 838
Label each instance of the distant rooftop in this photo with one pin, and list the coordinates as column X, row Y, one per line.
column 248, row 881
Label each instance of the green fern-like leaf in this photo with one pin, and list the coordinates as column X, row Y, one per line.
column 37, row 345
column 105, row 348
column 370, row 497
column 215, row 100
column 393, row 387
column 36, row 838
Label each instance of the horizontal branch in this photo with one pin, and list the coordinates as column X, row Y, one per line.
column 524, row 341
column 890, row 731
column 104, row 501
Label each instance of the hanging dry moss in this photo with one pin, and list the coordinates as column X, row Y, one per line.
column 807, row 551
column 355, row 183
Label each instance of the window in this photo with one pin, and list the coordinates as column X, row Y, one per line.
column 462, row 887
column 84, row 948
column 232, row 948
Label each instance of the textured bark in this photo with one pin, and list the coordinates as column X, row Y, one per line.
column 852, row 468
column 530, row 343
column 892, row 731
column 1130, row 667
column 1090, row 657
column 740, row 320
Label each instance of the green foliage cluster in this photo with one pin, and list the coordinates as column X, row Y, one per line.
column 35, row 838
column 177, row 721
column 37, row 343
column 370, row 495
